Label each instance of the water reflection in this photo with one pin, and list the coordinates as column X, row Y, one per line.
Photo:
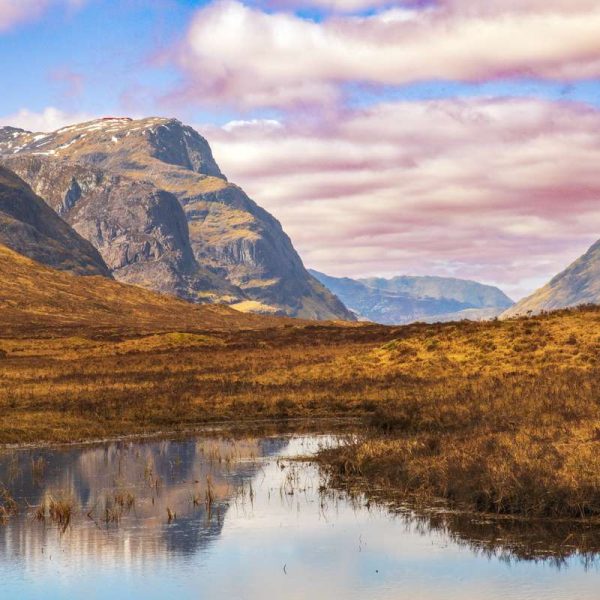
column 193, row 479
column 219, row 518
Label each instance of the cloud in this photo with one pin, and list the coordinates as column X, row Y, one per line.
column 252, row 124
column 48, row 119
column 71, row 82
column 507, row 192
column 17, row 12
column 472, row 7
column 234, row 55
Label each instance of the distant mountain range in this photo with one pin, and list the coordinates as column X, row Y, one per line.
column 577, row 284
column 408, row 299
column 149, row 197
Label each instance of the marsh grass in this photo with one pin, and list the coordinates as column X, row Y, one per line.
column 500, row 416
column 517, row 445
column 124, row 500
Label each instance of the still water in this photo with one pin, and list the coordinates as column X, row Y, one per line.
column 216, row 518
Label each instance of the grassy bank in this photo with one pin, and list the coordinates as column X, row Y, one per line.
column 501, row 416
column 515, row 430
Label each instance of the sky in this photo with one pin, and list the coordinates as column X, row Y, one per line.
column 426, row 137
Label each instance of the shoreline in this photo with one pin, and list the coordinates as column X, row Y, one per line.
column 251, row 427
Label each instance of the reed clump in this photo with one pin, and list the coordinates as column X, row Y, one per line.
column 57, row 510
column 125, row 500
column 38, row 468
column 117, row 505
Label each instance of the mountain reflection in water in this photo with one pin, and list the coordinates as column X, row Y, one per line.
column 221, row 518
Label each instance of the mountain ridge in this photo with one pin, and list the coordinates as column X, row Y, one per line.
column 29, row 226
column 578, row 284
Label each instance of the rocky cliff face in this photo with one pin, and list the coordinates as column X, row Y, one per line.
column 30, row 227
column 149, row 195
column 140, row 230
column 408, row 299
column 577, row 284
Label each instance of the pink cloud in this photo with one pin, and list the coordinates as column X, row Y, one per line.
column 17, row 12
column 507, row 192
column 237, row 55
column 71, row 82
column 465, row 7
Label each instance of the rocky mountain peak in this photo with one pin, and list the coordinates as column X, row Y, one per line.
column 131, row 144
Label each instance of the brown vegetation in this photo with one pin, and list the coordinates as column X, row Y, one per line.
column 501, row 416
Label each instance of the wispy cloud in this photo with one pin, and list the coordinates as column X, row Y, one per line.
column 502, row 191
column 71, row 82
column 16, row 12
column 467, row 7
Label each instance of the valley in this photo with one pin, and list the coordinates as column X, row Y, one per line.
column 300, row 300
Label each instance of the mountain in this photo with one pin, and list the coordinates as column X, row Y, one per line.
column 577, row 284
column 408, row 299
column 29, row 226
column 150, row 197
column 37, row 301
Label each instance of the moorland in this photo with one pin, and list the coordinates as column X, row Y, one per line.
column 500, row 416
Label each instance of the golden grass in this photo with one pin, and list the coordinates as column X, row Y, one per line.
column 41, row 302
column 501, row 417
column 254, row 306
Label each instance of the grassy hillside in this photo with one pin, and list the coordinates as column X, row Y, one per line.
column 501, row 416
column 38, row 301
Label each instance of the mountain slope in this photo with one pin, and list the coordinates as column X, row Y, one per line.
column 408, row 299
column 36, row 300
column 578, row 284
column 252, row 261
column 29, row 226
column 140, row 230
